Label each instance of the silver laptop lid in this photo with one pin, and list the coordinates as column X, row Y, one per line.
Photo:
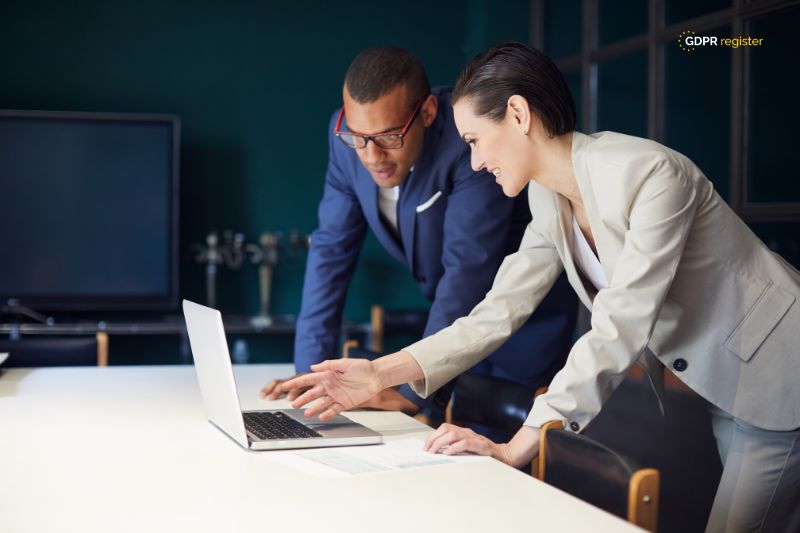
column 214, row 371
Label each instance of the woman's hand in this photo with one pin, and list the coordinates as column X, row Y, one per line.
column 337, row 384
column 451, row 440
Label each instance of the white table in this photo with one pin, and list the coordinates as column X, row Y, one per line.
column 121, row 449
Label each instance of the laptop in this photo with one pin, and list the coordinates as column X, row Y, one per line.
column 277, row 429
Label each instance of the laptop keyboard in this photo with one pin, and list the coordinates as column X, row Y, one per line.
column 269, row 425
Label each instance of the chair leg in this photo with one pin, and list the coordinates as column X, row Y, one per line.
column 537, row 468
column 643, row 493
column 376, row 322
column 102, row 348
column 347, row 346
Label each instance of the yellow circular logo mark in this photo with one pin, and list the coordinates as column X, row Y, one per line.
column 682, row 40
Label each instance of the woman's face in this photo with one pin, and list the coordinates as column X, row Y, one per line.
column 502, row 148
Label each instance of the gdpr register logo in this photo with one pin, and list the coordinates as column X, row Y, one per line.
column 689, row 41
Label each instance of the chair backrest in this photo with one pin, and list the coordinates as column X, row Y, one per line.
column 494, row 403
column 391, row 322
column 596, row 474
column 60, row 351
column 352, row 349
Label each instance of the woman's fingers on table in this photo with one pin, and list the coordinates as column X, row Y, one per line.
column 451, row 439
column 444, row 435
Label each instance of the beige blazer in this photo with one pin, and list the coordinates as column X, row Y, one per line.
column 688, row 280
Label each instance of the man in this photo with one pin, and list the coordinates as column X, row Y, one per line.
column 397, row 165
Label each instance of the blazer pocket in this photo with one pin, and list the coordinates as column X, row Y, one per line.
column 432, row 200
column 759, row 322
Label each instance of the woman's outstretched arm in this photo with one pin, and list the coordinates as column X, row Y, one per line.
column 342, row 384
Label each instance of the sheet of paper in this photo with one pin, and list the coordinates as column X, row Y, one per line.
column 395, row 455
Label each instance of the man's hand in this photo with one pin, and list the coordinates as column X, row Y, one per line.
column 391, row 400
column 337, row 384
column 272, row 390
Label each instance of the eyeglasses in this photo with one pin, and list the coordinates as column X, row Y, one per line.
column 389, row 141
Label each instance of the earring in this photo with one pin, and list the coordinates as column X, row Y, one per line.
column 525, row 132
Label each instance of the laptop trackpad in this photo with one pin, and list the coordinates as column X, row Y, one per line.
column 314, row 422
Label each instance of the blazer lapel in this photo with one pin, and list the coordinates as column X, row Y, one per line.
column 407, row 212
column 412, row 188
column 602, row 240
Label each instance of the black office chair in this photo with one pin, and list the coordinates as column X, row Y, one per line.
column 61, row 351
column 597, row 475
column 498, row 405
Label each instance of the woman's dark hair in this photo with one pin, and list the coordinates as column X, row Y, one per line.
column 376, row 71
column 510, row 68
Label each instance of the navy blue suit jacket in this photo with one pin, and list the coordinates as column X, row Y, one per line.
column 453, row 249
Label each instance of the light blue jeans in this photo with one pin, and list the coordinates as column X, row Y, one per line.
column 760, row 485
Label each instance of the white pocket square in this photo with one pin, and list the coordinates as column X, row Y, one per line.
column 430, row 202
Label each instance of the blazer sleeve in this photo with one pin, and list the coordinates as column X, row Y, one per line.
column 524, row 278
column 625, row 313
column 332, row 257
column 474, row 244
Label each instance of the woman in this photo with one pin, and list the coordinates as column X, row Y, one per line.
column 672, row 276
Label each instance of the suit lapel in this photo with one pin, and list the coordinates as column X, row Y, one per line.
column 407, row 214
column 412, row 188
column 372, row 213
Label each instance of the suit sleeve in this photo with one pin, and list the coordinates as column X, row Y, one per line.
column 332, row 257
column 476, row 225
column 524, row 278
column 625, row 313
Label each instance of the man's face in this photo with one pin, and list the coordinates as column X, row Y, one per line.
column 389, row 113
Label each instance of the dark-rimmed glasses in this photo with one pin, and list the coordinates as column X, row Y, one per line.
column 391, row 140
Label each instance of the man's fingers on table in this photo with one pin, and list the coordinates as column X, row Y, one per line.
column 295, row 393
column 270, row 390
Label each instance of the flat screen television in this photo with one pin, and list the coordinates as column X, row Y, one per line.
column 89, row 210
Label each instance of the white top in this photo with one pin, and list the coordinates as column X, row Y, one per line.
column 387, row 204
column 82, row 447
column 585, row 257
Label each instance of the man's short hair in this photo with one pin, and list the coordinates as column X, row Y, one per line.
column 376, row 71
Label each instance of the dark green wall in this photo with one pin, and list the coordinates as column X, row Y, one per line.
column 254, row 84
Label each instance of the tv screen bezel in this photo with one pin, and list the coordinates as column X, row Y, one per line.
column 116, row 302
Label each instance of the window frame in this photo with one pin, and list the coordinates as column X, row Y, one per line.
column 657, row 34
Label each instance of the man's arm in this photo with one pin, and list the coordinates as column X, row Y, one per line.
column 335, row 247
column 477, row 220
